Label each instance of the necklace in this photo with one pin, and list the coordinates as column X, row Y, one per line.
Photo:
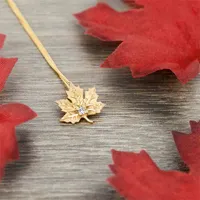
column 79, row 104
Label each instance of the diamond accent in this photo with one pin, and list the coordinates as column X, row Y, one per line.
column 81, row 111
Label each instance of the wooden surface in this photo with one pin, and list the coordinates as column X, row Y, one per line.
column 68, row 162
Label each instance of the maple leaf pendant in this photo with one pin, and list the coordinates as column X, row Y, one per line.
column 79, row 105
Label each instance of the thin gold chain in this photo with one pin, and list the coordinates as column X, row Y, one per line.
column 37, row 42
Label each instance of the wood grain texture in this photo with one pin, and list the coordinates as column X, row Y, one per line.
column 68, row 162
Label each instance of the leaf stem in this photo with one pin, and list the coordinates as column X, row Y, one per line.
column 38, row 43
column 88, row 120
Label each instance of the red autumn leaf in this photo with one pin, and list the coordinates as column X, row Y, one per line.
column 161, row 35
column 6, row 65
column 136, row 176
column 11, row 115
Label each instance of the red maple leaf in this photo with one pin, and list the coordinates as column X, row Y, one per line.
column 161, row 35
column 136, row 176
column 11, row 115
column 6, row 65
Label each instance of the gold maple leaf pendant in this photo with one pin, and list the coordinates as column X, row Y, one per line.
column 79, row 105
